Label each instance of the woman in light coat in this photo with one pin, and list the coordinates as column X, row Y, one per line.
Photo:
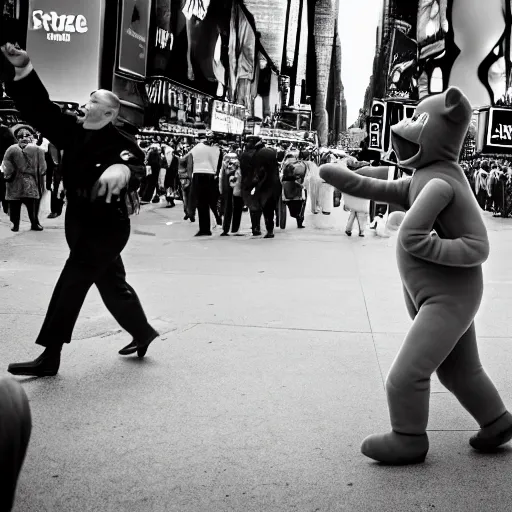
column 24, row 169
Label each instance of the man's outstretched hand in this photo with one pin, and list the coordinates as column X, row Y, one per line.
column 15, row 55
column 111, row 182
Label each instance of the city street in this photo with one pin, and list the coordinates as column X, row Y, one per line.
column 268, row 374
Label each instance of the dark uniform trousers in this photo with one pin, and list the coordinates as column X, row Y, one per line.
column 96, row 234
column 268, row 212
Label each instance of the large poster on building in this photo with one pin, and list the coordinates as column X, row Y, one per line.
column 133, row 36
column 402, row 67
column 191, row 40
column 242, row 56
column 161, row 39
column 64, row 44
column 432, row 26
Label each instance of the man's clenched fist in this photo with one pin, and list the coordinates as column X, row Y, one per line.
column 113, row 180
column 15, row 55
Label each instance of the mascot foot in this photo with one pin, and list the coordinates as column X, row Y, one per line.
column 395, row 448
column 494, row 434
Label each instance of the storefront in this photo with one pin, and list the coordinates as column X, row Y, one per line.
column 175, row 109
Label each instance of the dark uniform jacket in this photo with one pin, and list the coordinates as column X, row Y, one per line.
column 260, row 171
column 87, row 153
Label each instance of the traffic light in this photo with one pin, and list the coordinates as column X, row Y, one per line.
column 376, row 124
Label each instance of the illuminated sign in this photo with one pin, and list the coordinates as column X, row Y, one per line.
column 228, row 118
column 59, row 27
column 64, row 41
column 499, row 128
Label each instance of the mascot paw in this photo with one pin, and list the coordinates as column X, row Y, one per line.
column 396, row 449
column 490, row 437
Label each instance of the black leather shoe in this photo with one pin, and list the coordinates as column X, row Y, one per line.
column 270, row 234
column 46, row 365
column 142, row 347
column 15, row 229
column 203, row 233
column 133, row 347
column 53, row 215
column 37, row 227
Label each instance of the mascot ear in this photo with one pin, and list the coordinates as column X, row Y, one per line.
column 457, row 105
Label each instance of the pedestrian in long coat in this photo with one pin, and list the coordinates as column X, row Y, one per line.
column 24, row 170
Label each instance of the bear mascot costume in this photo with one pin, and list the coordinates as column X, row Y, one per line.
column 441, row 245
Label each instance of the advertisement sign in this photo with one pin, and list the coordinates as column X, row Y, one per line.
column 402, row 66
column 499, row 128
column 161, row 39
column 133, row 36
column 227, row 118
column 289, row 135
column 190, row 44
column 64, row 41
column 432, row 27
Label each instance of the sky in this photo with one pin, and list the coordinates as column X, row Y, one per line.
column 357, row 27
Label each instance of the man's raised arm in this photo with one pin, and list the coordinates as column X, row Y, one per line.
column 33, row 102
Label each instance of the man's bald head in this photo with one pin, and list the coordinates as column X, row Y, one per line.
column 101, row 109
column 108, row 99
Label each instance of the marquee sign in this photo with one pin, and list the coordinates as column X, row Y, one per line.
column 228, row 118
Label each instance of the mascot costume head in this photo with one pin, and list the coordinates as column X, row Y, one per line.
column 441, row 245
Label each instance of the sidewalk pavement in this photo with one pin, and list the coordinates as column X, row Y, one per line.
column 268, row 374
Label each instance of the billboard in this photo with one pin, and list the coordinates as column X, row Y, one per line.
column 189, row 43
column 402, row 67
column 499, row 128
column 64, row 41
column 133, row 37
column 432, row 27
column 227, row 118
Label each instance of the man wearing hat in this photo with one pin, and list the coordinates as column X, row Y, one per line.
column 100, row 164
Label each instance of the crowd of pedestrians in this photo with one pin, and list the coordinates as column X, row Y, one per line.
column 491, row 182
column 219, row 179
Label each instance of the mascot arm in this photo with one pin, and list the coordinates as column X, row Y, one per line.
column 415, row 231
column 358, row 185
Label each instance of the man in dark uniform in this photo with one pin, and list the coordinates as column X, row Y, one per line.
column 261, row 187
column 100, row 164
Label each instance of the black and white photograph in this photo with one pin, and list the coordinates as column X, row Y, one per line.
column 254, row 255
